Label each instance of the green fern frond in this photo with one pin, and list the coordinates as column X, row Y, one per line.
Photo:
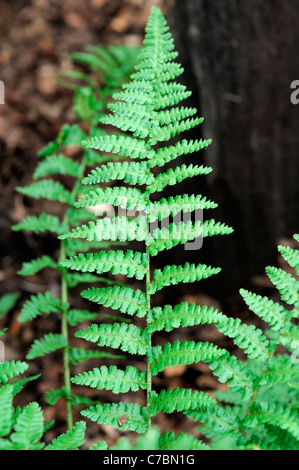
column 277, row 415
column 49, row 343
column 172, row 275
column 128, row 198
column 114, row 379
column 290, row 255
column 36, row 265
column 79, row 355
column 183, row 232
column 173, row 176
column 247, row 337
column 57, row 165
column 28, row 429
column 184, row 314
column 130, row 172
column 73, row 279
column 128, row 338
column 8, row 302
column 42, row 223
column 182, row 353
column 49, row 189
column 6, row 410
column 75, row 316
column 10, row 369
column 124, row 146
column 272, row 312
column 167, row 154
column 285, row 283
column 178, row 204
column 127, row 300
column 168, row 441
column 39, row 304
column 71, row 440
column 133, row 416
column 129, row 263
column 118, row 228
column 218, row 420
column 178, row 399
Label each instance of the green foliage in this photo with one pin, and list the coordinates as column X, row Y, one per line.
column 259, row 407
column 140, row 112
column 24, row 428
column 8, row 302
column 267, row 415
column 144, row 111
column 58, row 179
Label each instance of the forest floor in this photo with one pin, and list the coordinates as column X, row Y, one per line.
column 36, row 39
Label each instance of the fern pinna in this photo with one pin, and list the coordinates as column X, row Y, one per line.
column 262, row 413
column 146, row 112
column 24, row 428
column 58, row 179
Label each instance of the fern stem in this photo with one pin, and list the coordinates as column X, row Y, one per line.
column 148, row 297
column 65, row 333
column 64, row 301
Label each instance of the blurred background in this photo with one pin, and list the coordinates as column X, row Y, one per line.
column 240, row 59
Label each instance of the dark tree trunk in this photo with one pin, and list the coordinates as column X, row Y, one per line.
column 240, row 59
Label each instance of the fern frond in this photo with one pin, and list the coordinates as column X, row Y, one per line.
column 128, row 338
column 49, row 189
column 135, row 418
column 130, row 172
column 172, row 275
column 29, row 428
column 42, row 223
column 290, row 255
column 118, row 228
column 169, row 153
column 49, row 343
column 184, row 314
column 39, row 304
column 285, row 283
column 71, row 440
column 57, row 165
column 128, row 198
column 218, row 420
column 172, row 206
column 123, row 146
column 169, row 131
column 178, row 399
column 173, row 176
column 168, row 441
column 75, row 316
column 8, row 302
column 114, row 379
column 129, row 263
column 36, row 265
column 10, row 369
column 73, row 279
column 79, row 355
column 183, row 232
column 182, row 353
column 6, row 410
column 125, row 299
column 271, row 312
column 279, row 416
